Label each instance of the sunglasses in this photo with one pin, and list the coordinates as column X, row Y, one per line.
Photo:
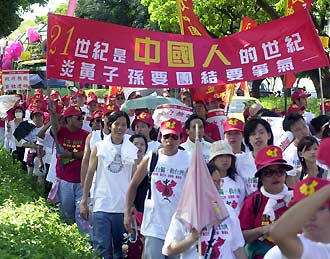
column 271, row 173
column 167, row 136
column 120, row 98
column 79, row 118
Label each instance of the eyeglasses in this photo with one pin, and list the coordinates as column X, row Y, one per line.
column 120, row 98
column 271, row 172
column 167, row 136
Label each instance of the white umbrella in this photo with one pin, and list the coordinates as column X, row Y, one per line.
column 6, row 103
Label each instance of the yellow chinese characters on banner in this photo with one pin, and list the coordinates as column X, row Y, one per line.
column 180, row 54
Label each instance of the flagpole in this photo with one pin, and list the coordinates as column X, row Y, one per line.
column 321, row 92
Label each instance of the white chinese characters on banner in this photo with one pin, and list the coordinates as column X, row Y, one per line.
column 15, row 80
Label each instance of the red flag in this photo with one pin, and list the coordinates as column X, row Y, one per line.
column 289, row 80
column 294, row 6
column 247, row 23
column 200, row 204
column 71, row 7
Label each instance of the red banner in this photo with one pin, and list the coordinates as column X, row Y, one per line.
column 100, row 53
column 298, row 5
column 189, row 22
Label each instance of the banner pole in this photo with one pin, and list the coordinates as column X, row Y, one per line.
column 321, row 92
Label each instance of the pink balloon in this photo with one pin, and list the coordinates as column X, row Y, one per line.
column 33, row 34
column 14, row 50
column 6, row 64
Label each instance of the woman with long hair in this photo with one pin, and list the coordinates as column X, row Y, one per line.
column 307, row 152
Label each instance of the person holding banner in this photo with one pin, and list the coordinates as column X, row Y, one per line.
column 257, row 135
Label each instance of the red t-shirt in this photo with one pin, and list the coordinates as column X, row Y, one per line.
column 250, row 221
column 72, row 142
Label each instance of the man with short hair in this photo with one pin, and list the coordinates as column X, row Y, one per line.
column 296, row 124
column 299, row 97
column 166, row 182
column 71, row 140
column 190, row 127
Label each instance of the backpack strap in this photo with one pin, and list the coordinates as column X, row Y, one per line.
column 256, row 201
column 153, row 163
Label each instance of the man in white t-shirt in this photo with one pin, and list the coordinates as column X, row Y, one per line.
column 190, row 126
column 296, row 124
column 311, row 213
column 166, row 183
column 299, row 97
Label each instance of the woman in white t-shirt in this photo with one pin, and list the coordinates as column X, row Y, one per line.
column 312, row 215
column 257, row 135
column 222, row 167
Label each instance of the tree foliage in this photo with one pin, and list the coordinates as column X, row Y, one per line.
column 125, row 12
column 10, row 11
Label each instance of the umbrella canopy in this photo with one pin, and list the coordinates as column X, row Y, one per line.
column 150, row 102
column 6, row 103
column 200, row 204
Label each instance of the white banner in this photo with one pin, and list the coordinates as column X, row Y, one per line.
column 168, row 111
column 15, row 80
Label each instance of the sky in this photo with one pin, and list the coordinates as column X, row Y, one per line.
column 37, row 10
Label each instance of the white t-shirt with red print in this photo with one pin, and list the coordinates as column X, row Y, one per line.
column 233, row 192
column 311, row 250
column 290, row 155
column 166, row 186
column 227, row 238
column 246, row 168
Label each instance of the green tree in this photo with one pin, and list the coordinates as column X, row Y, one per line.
column 126, row 12
column 61, row 9
column 10, row 11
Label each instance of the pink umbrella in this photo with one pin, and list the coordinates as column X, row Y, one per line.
column 200, row 204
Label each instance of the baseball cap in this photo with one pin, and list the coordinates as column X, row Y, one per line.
column 72, row 111
column 91, row 98
column 171, row 126
column 232, row 124
column 307, row 187
column 109, row 108
column 270, row 155
column 97, row 114
column 326, row 106
column 79, row 93
column 144, row 117
column 299, row 93
column 323, row 152
column 220, row 147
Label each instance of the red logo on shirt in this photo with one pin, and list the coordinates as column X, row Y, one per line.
column 166, row 188
column 214, row 250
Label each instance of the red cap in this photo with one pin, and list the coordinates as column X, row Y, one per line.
column 54, row 92
column 35, row 108
column 72, row 111
column 294, row 108
column 38, row 97
column 171, row 126
column 97, row 114
column 38, row 91
column 270, row 155
column 65, row 98
column 233, row 124
column 307, row 187
column 91, row 98
column 144, row 117
column 299, row 94
column 109, row 108
column 323, row 152
column 326, row 106
column 80, row 92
